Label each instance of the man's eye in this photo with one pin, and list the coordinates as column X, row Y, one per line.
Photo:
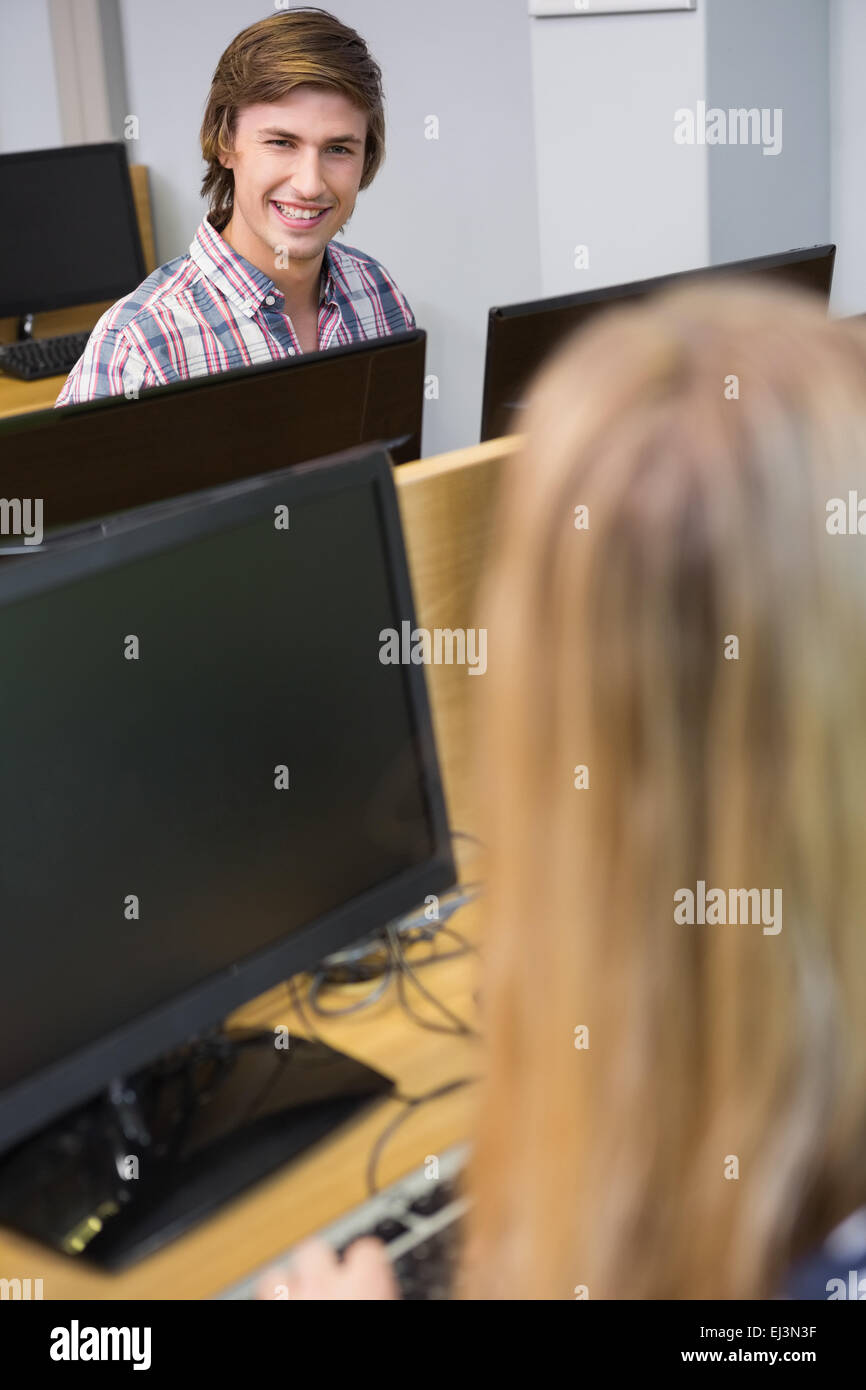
column 291, row 142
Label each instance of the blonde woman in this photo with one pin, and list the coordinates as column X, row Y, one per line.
column 675, row 705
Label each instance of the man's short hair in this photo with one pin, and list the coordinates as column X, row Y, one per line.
column 262, row 64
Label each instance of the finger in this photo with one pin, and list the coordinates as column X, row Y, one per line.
column 368, row 1270
column 315, row 1265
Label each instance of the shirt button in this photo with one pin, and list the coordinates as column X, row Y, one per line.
column 291, row 352
column 269, row 299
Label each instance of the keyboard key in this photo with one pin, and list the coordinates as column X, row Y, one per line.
column 427, row 1272
column 389, row 1229
column 438, row 1197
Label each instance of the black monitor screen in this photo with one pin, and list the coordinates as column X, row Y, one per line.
column 68, row 234
column 156, row 777
column 520, row 337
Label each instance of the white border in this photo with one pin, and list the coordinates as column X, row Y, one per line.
column 579, row 8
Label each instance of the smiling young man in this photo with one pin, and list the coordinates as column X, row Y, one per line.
column 293, row 130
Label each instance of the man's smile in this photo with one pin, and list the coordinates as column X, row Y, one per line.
column 294, row 216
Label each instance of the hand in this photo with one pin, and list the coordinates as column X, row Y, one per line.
column 317, row 1273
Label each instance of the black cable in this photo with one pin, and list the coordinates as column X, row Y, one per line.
column 466, row 947
column 417, row 1018
column 410, row 1103
column 394, row 935
column 422, row 930
column 406, row 970
column 319, row 980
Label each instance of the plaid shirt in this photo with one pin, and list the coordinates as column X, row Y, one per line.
column 212, row 310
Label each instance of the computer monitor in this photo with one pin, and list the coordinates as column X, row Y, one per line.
column 69, row 233
column 112, row 454
column 211, row 781
column 521, row 336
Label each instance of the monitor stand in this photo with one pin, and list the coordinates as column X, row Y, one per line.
column 123, row 1174
column 25, row 327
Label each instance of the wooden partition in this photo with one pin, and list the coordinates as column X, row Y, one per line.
column 447, row 507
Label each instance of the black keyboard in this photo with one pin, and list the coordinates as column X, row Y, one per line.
column 420, row 1219
column 34, row 358
column 428, row 1270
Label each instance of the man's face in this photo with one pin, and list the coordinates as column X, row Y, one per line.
column 306, row 151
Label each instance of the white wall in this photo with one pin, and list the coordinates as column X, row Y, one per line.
column 610, row 176
column 769, row 54
column 847, row 144
column 29, row 114
column 443, row 215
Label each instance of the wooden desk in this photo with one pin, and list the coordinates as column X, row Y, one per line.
column 17, row 397
column 446, row 506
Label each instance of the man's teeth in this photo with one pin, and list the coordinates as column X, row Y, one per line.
column 288, row 211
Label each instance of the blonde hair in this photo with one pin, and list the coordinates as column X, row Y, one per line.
column 705, row 433
column 263, row 64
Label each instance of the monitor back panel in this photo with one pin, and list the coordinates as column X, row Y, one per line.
column 521, row 336
column 102, row 457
